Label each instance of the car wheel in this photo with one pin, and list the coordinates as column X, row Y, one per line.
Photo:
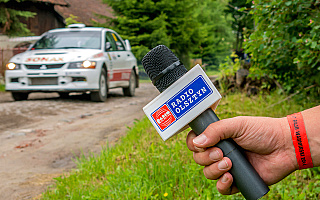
column 130, row 91
column 102, row 94
column 19, row 96
column 64, row 95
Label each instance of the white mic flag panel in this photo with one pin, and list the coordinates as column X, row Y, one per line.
column 182, row 102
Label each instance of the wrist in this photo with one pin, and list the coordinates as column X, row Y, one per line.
column 288, row 144
column 300, row 140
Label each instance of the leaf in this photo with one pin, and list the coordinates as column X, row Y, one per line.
column 288, row 3
column 314, row 45
column 294, row 39
column 261, row 47
column 314, row 64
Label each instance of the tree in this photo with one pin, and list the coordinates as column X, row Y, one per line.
column 216, row 33
column 285, row 43
column 242, row 20
column 148, row 23
column 10, row 20
column 72, row 19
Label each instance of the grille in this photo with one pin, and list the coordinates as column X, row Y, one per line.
column 44, row 81
column 54, row 66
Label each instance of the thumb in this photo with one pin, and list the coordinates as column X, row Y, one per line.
column 220, row 130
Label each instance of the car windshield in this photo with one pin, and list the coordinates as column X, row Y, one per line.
column 70, row 39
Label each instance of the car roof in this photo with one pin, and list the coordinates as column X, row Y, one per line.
column 79, row 29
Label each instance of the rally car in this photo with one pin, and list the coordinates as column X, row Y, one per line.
column 74, row 59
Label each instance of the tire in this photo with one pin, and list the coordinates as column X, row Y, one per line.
column 102, row 94
column 130, row 91
column 19, row 96
column 63, row 95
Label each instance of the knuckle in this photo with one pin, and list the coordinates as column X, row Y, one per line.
column 198, row 158
column 210, row 173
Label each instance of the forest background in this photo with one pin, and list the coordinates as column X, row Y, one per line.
column 279, row 38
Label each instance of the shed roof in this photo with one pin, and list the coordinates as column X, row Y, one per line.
column 55, row 2
column 85, row 10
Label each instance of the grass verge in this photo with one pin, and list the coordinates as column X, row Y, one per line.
column 2, row 88
column 142, row 166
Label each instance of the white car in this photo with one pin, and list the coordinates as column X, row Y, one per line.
column 74, row 59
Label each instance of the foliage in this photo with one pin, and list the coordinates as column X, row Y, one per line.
column 230, row 65
column 197, row 29
column 149, row 23
column 228, row 69
column 2, row 87
column 216, row 34
column 242, row 20
column 285, row 42
column 72, row 19
column 142, row 166
column 10, row 23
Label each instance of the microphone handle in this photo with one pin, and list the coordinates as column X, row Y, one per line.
column 244, row 175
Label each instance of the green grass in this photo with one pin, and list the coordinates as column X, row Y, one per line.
column 2, row 88
column 142, row 166
column 212, row 72
column 144, row 81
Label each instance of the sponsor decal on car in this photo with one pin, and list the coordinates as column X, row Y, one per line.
column 44, row 59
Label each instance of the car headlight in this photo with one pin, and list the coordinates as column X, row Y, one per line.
column 82, row 65
column 13, row 66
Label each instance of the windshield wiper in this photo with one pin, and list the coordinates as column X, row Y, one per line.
column 71, row 48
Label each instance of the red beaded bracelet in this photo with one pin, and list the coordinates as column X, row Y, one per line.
column 300, row 140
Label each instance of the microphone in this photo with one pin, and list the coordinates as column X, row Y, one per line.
column 165, row 70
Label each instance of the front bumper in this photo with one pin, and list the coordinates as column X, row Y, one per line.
column 52, row 80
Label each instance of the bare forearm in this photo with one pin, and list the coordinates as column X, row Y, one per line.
column 311, row 118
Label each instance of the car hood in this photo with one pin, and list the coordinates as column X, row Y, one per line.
column 54, row 56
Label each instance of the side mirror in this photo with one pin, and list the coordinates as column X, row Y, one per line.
column 128, row 46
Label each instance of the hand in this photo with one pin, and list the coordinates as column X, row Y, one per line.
column 267, row 142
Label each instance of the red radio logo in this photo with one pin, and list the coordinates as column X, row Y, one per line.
column 163, row 117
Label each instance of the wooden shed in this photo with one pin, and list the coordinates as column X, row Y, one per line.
column 46, row 17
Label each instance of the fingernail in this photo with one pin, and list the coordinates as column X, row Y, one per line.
column 200, row 139
column 223, row 165
column 215, row 155
column 224, row 178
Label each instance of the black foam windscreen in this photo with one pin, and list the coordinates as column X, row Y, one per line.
column 159, row 59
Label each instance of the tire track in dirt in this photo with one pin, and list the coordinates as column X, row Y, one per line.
column 40, row 137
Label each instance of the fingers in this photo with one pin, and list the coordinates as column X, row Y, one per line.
column 220, row 170
column 208, row 157
column 217, row 169
column 190, row 137
column 212, row 158
column 216, row 166
column 224, row 185
column 227, row 128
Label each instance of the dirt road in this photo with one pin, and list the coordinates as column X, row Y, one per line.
column 40, row 137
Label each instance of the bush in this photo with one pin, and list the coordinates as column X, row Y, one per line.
column 285, row 42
